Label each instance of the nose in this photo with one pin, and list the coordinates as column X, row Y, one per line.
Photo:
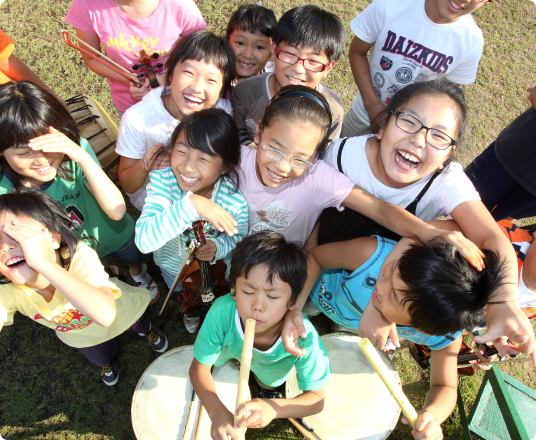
column 258, row 304
column 283, row 165
column 6, row 242
column 248, row 52
column 419, row 138
column 299, row 67
column 197, row 85
column 189, row 165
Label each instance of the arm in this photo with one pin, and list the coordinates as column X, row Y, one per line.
column 263, row 411
column 361, row 72
column 105, row 192
column 441, row 399
column 222, row 419
column 505, row 319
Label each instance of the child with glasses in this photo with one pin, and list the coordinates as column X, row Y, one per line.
column 307, row 42
column 409, row 41
column 407, row 163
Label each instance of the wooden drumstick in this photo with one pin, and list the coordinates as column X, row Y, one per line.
column 198, row 421
column 302, row 430
column 188, row 420
column 245, row 365
column 381, row 369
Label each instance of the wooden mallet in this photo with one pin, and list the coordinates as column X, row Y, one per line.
column 245, row 365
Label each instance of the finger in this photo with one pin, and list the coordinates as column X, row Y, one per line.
column 404, row 420
column 299, row 326
column 393, row 334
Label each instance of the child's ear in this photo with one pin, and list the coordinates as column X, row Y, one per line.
column 327, row 69
column 257, row 137
column 55, row 239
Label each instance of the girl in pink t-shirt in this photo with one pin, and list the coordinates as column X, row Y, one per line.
column 124, row 27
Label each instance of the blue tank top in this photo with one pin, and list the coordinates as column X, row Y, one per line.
column 343, row 296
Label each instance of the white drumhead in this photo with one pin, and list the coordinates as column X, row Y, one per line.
column 357, row 404
column 162, row 398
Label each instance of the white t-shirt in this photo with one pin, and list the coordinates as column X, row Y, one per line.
column 409, row 47
column 145, row 124
column 294, row 207
column 448, row 190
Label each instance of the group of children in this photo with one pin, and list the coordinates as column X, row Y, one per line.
column 305, row 221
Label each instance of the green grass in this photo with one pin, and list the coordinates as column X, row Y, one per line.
column 49, row 391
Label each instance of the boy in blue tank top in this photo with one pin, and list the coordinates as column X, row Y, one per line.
column 427, row 289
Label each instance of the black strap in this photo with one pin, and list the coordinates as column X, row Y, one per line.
column 412, row 207
column 339, row 155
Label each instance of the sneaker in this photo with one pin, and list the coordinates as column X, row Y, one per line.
column 191, row 323
column 270, row 394
column 147, row 282
column 110, row 373
column 156, row 339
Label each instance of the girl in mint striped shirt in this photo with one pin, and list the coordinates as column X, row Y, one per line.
column 205, row 150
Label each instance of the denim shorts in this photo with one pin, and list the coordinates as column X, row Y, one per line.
column 129, row 253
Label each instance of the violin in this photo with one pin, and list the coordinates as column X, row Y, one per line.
column 201, row 281
column 145, row 61
column 422, row 354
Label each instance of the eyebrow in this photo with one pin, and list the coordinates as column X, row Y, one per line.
column 271, row 289
column 313, row 53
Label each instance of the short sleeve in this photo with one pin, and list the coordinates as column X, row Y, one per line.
column 465, row 72
column 131, row 142
column 209, row 342
column 331, row 153
column 79, row 18
column 312, row 370
column 191, row 20
column 330, row 188
column 368, row 25
column 454, row 189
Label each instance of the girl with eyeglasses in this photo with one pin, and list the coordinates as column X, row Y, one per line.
column 407, row 162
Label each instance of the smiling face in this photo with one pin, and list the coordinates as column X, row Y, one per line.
column 252, row 52
column 404, row 158
column 257, row 298
column 195, row 170
column 388, row 294
column 34, row 167
column 295, row 74
column 449, row 11
column 12, row 262
column 195, row 85
column 293, row 138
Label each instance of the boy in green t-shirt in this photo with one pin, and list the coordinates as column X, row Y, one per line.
column 268, row 274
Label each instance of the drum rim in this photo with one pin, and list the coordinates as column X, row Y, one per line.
column 396, row 415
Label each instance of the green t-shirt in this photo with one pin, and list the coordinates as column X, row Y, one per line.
column 83, row 209
column 221, row 338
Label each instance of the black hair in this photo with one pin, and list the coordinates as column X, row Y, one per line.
column 304, row 104
column 255, row 19
column 27, row 112
column 311, row 26
column 283, row 259
column 41, row 207
column 206, row 46
column 445, row 293
column 212, row 131
column 435, row 87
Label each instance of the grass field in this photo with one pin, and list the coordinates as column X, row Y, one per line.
column 49, row 391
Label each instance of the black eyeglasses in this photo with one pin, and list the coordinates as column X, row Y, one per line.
column 291, row 58
column 410, row 124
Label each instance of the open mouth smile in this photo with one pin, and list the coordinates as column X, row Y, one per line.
column 43, row 170
column 189, row 180
column 15, row 262
column 406, row 160
column 246, row 66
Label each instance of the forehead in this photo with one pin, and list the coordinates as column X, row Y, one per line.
column 201, row 66
column 257, row 36
column 258, row 278
column 436, row 111
column 293, row 136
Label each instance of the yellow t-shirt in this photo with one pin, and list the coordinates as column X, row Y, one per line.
column 6, row 49
column 72, row 327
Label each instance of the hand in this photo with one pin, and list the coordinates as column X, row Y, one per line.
column 207, row 252
column 56, row 142
column 262, row 413
column 139, row 92
column 507, row 319
column 214, row 214
column 480, row 353
column 222, row 427
column 532, row 96
column 376, row 328
column 35, row 241
column 466, row 247
column 293, row 328
column 161, row 163
column 426, row 427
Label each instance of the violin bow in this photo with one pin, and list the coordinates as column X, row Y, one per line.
column 100, row 57
column 185, row 262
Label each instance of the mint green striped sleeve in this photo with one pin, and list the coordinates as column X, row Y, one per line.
column 164, row 217
column 236, row 205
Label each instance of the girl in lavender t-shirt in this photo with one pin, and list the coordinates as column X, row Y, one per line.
column 124, row 27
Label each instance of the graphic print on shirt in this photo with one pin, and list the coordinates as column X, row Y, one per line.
column 272, row 218
column 435, row 61
column 322, row 293
column 136, row 43
column 70, row 319
column 75, row 215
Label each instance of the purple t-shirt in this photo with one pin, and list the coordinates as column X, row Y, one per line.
column 294, row 207
column 122, row 38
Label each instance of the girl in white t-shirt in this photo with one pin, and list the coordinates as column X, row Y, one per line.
column 199, row 72
column 416, row 135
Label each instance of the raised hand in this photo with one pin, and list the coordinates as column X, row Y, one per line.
column 214, row 214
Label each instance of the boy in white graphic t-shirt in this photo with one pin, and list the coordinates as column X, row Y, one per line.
column 409, row 41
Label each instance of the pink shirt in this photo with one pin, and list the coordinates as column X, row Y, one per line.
column 294, row 207
column 122, row 38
